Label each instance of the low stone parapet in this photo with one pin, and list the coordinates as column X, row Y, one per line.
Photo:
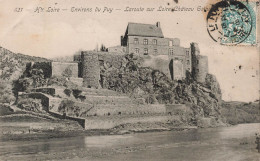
column 48, row 102
column 126, row 109
column 111, row 122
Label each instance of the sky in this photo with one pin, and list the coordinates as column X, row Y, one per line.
column 65, row 32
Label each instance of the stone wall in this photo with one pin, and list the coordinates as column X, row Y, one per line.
column 126, row 109
column 49, row 91
column 54, row 68
column 64, row 69
column 81, row 121
column 110, row 122
column 48, row 102
column 111, row 59
column 118, row 49
column 109, row 99
column 175, row 109
column 77, row 81
column 53, row 91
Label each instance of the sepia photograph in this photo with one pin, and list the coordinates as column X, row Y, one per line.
column 114, row 80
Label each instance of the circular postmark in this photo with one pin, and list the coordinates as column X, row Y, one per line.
column 229, row 22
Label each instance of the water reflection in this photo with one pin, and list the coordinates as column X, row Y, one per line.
column 195, row 144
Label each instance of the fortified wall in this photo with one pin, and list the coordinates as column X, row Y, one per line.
column 199, row 64
column 90, row 63
column 54, row 68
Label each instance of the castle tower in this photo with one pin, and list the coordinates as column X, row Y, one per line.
column 199, row 64
column 91, row 69
column 202, row 68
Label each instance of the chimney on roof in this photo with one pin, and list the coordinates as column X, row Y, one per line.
column 158, row 24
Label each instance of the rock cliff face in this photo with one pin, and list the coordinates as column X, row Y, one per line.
column 155, row 87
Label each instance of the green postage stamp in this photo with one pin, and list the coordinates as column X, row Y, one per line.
column 233, row 22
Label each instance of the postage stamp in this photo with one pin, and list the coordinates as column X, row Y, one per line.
column 232, row 22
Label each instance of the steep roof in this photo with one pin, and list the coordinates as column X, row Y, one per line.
column 147, row 30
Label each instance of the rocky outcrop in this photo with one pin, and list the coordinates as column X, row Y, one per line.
column 155, row 87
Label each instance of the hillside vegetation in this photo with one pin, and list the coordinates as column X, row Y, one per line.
column 241, row 112
column 13, row 64
column 204, row 99
column 12, row 67
column 155, row 87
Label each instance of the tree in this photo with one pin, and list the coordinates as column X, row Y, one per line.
column 6, row 95
column 103, row 48
column 67, row 72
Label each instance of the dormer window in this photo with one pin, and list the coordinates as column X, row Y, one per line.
column 145, row 41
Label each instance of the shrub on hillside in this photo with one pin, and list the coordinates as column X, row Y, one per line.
column 68, row 107
column 30, row 104
column 67, row 92
column 61, row 81
column 6, row 95
column 67, row 72
column 5, row 110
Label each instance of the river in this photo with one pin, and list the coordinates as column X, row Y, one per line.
column 212, row 144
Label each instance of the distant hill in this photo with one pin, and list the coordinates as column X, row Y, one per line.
column 13, row 64
column 241, row 112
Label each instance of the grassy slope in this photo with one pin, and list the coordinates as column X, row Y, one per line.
column 241, row 112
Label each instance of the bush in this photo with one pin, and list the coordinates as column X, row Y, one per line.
column 67, row 72
column 68, row 107
column 30, row 104
column 67, row 92
column 6, row 95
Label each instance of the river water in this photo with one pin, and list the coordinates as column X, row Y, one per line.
column 213, row 144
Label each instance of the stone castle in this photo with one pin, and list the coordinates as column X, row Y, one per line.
column 147, row 41
column 142, row 40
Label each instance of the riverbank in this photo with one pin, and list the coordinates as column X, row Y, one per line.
column 222, row 143
column 30, row 128
column 27, row 125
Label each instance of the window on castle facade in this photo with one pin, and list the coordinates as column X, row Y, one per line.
column 188, row 62
column 170, row 51
column 154, row 41
column 145, row 42
column 197, row 61
column 170, row 43
column 187, row 53
column 136, row 41
column 136, row 50
column 155, row 51
column 145, row 51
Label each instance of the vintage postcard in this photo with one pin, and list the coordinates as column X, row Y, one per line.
column 129, row 80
